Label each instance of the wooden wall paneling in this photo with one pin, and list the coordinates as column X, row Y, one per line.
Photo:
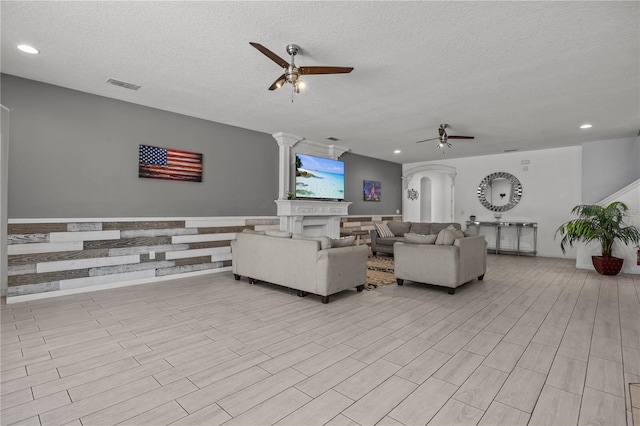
column 46, row 257
column 83, row 226
column 203, row 237
column 23, row 259
column 21, row 290
column 46, row 277
column 224, row 229
column 86, row 263
column 131, row 267
column 165, row 248
column 192, row 260
column 210, row 244
column 169, row 232
column 187, row 268
column 127, row 242
column 144, row 257
column 143, row 225
column 61, row 237
column 27, row 238
column 70, row 284
column 43, row 247
column 29, row 268
column 35, row 228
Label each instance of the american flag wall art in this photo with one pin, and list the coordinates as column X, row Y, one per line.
column 171, row 164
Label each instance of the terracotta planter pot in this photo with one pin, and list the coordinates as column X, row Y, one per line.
column 607, row 265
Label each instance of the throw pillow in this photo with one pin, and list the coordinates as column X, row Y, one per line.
column 325, row 242
column 279, row 234
column 252, row 231
column 343, row 242
column 457, row 234
column 384, row 231
column 436, row 227
column 445, row 238
column 470, row 232
column 399, row 228
column 412, row 238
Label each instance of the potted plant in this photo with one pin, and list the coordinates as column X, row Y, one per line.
column 291, row 195
column 602, row 224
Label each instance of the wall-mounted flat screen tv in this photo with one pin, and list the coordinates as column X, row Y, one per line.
column 319, row 178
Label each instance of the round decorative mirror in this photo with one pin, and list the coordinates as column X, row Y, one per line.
column 500, row 191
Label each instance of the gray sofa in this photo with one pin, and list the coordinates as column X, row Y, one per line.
column 385, row 245
column 300, row 264
column 443, row 265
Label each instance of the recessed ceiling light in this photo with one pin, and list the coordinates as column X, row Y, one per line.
column 586, row 126
column 397, row 151
column 28, row 49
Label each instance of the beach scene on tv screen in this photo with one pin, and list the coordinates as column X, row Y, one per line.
column 319, row 177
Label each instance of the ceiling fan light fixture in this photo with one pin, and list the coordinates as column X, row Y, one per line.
column 292, row 72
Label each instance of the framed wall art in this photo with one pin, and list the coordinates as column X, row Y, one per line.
column 372, row 190
column 170, row 164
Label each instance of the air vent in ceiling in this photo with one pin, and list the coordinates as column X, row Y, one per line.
column 334, row 139
column 510, row 150
column 126, row 85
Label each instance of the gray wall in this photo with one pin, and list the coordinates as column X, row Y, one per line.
column 358, row 168
column 75, row 155
column 608, row 166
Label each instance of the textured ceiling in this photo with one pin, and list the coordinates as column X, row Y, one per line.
column 517, row 75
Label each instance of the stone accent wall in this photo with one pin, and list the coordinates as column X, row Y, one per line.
column 364, row 223
column 57, row 255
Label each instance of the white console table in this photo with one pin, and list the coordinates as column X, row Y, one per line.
column 497, row 226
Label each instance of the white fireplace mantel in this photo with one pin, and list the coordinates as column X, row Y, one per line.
column 311, row 217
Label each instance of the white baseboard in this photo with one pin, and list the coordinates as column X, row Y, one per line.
column 49, row 294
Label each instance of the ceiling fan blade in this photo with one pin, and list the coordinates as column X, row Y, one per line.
column 325, row 70
column 427, row 140
column 278, row 83
column 460, row 137
column 269, row 54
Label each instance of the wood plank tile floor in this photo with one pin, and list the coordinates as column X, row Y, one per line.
column 537, row 342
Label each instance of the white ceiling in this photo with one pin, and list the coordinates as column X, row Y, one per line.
column 517, row 75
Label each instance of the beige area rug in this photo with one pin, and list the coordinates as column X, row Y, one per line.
column 379, row 271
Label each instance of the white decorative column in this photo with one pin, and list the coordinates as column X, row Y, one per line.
column 285, row 142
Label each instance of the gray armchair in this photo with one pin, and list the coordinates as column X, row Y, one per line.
column 443, row 265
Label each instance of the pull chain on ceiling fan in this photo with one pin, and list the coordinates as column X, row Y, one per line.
column 292, row 72
column 443, row 139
